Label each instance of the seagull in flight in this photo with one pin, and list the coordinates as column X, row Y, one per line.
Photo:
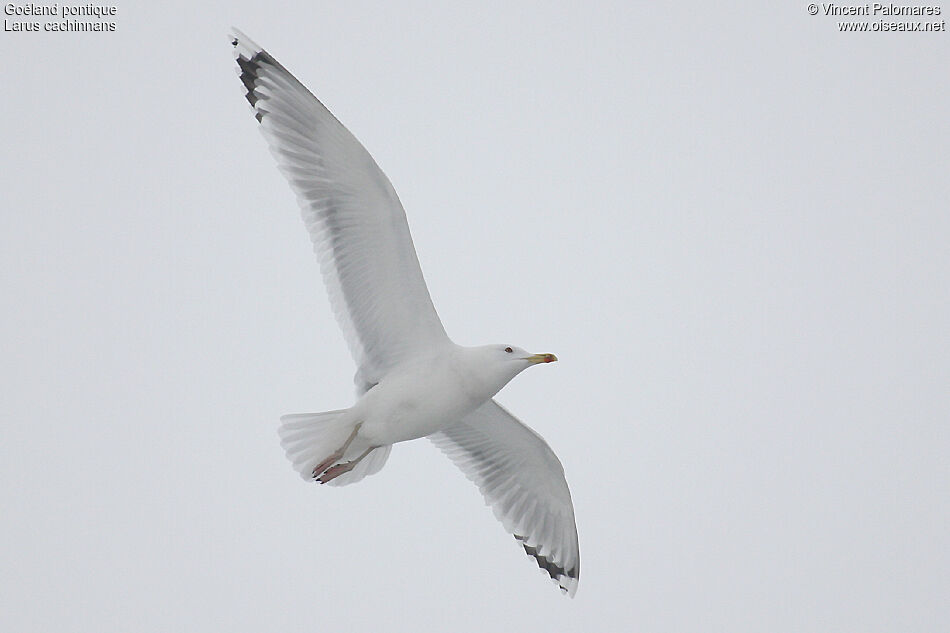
column 412, row 381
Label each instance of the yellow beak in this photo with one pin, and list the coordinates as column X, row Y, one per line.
column 541, row 358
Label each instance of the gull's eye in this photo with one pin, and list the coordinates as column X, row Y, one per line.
column 508, row 349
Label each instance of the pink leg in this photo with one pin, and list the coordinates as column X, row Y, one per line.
column 339, row 469
column 336, row 455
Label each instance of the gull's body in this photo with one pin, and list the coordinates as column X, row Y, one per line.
column 415, row 399
column 418, row 396
column 412, row 380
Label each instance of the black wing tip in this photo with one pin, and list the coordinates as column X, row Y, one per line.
column 555, row 571
column 249, row 76
column 249, row 68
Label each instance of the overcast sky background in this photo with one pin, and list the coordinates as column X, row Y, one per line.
column 730, row 223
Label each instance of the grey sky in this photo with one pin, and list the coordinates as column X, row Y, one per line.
column 729, row 222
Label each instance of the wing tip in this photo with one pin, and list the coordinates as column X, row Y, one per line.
column 248, row 56
column 243, row 45
column 566, row 579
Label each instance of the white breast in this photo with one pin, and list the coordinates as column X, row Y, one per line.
column 416, row 399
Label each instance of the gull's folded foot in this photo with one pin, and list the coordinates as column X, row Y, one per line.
column 332, row 473
column 323, row 466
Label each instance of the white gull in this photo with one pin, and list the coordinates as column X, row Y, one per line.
column 411, row 380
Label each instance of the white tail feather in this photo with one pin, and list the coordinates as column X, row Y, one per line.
column 310, row 438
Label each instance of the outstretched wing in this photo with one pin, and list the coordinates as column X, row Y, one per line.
column 356, row 222
column 523, row 480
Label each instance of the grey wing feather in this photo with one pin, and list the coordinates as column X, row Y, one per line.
column 356, row 222
column 523, row 480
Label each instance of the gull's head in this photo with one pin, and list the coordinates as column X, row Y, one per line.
column 515, row 356
column 495, row 365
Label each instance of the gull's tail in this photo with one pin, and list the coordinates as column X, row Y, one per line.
column 311, row 439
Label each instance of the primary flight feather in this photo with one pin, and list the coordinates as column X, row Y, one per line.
column 412, row 381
